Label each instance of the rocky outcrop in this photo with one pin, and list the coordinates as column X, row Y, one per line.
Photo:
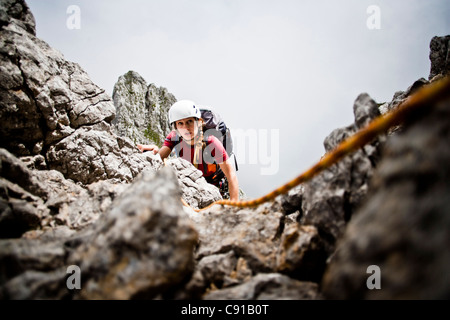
column 77, row 197
column 141, row 109
column 43, row 200
column 50, row 108
column 439, row 56
column 238, row 246
column 196, row 191
column 403, row 227
column 140, row 249
column 95, row 153
column 400, row 96
column 36, row 201
column 44, row 98
column 329, row 199
column 269, row 286
column 58, row 122
column 19, row 13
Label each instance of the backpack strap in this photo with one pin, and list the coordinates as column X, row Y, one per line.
column 176, row 145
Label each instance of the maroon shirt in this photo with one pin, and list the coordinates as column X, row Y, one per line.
column 214, row 151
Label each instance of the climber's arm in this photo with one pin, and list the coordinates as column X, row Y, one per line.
column 233, row 184
column 164, row 152
column 150, row 147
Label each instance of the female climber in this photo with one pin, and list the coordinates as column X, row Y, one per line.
column 208, row 155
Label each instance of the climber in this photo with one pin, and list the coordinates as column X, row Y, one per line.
column 187, row 137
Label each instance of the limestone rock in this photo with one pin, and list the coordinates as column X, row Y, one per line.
column 301, row 253
column 400, row 96
column 95, row 153
column 233, row 246
column 249, row 233
column 42, row 200
column 196, row 191
column 75, row 192
column 365, row 110
column 20, row 211
column 141, row 247
column 271, row 286
column 292, row 201
column 50, row 108
column 141, row 109
column 44, row 97
column 20, row 13
column 403, row 226
column 330, row 198
column 439, row 56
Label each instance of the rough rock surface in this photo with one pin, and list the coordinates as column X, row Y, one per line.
column 141, row 109
column 404, row 226
column 196, row 191
column 140, row 248
column 439, row 56
column 270, row 286
column 50, row 107
column 400, row 96
column 329, row 199
column 241, row 245
column 74, row 193
column 149, row 222
column 44, row 98
column 41, row 200
column 95, row 153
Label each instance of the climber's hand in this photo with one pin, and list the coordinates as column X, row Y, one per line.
column 143, row 147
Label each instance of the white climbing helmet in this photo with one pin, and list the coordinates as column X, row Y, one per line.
column 183, row 109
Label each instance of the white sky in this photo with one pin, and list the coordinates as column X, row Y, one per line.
column 287, row 65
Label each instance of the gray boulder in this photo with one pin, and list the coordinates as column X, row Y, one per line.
column 142, row 247
column 196, row 191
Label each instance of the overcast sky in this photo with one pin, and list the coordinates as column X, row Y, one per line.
column 285, row 71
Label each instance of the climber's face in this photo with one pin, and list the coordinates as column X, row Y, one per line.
column 187, row 128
